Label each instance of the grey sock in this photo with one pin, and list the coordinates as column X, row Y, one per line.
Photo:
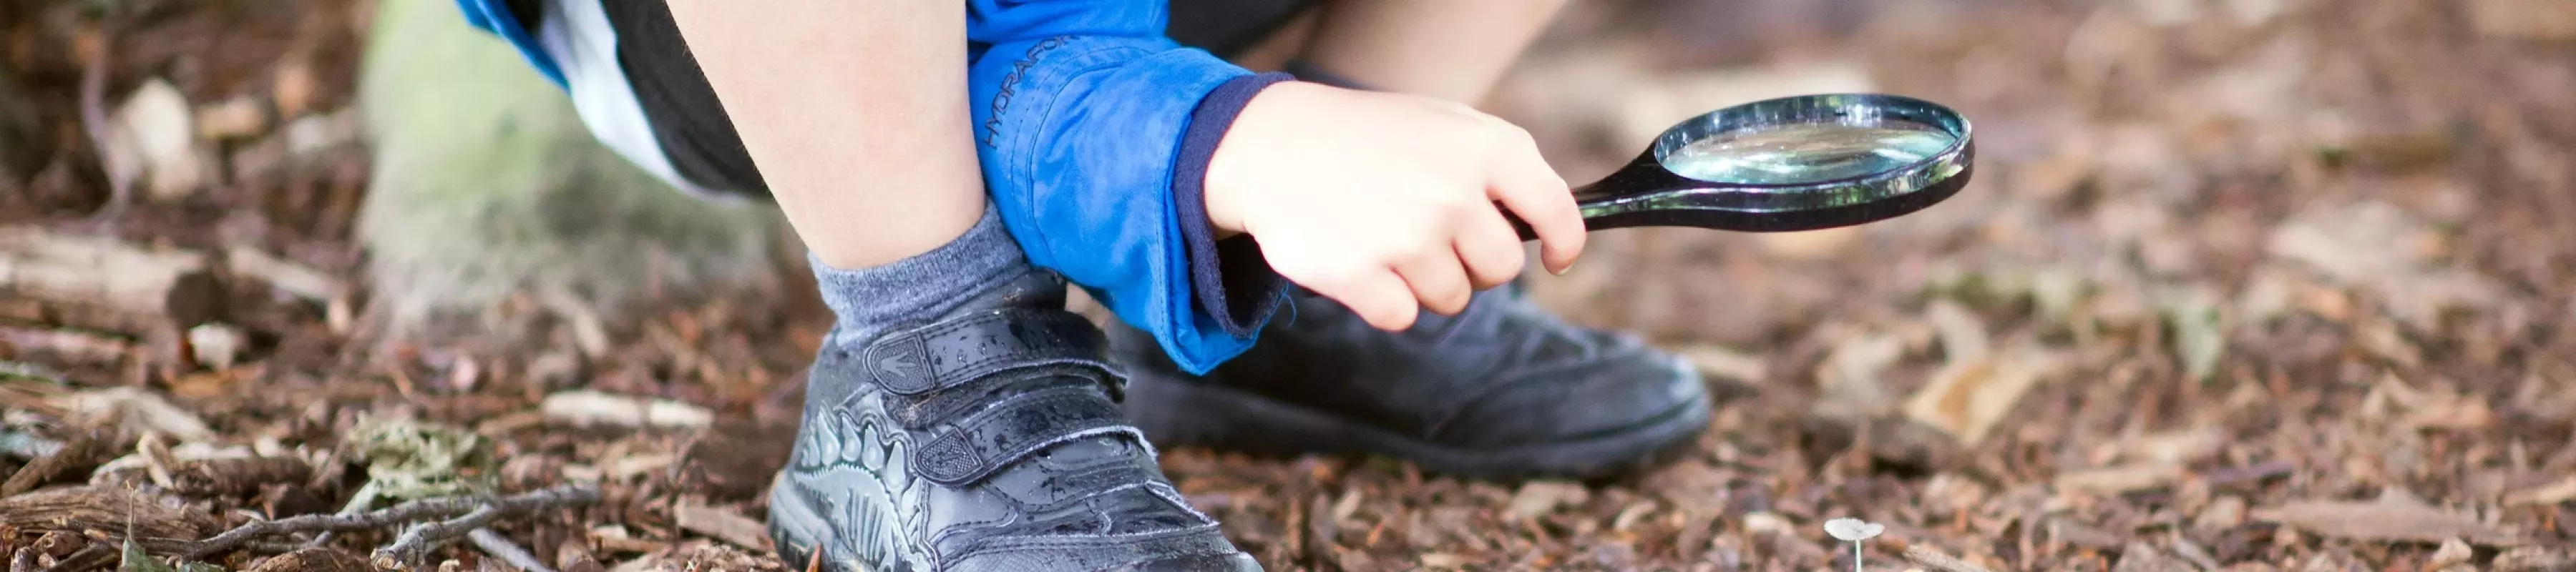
column 867, row 300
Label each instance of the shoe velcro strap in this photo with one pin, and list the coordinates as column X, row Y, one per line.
column 1019, row 425
column 939, row 356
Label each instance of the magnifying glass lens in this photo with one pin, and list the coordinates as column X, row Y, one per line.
column 1807, row 152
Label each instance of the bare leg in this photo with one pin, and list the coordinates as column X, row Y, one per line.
column 1449, row 49
column 855, row 112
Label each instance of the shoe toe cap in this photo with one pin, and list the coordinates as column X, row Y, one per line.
column 1634, row 392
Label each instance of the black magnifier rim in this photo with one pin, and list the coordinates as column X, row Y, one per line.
column 1649, row 194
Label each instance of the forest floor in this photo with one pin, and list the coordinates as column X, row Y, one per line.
column 2240, row 285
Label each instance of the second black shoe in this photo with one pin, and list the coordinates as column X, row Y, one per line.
column 1501, row 390
column 988, row 439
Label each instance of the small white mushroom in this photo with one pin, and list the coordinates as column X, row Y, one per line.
column 1852, row 529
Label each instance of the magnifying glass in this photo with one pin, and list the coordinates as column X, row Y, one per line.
column 1788, row 164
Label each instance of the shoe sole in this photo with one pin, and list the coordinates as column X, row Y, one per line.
column 1182, row 414
column 796, row 528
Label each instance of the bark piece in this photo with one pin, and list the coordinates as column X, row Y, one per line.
column 113, row 285
column 75, row 459
column 722, row 524
column 109, row 510
column 237, row 476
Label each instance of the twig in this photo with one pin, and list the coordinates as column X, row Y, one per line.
column 419, row 540
column 358, row 503
column 423, row 509
column 96, row 555
column 1935, row 560
column 271, row 547
column 492, row 543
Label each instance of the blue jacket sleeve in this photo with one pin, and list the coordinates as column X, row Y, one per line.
column 1094, row 132
column 493, row 16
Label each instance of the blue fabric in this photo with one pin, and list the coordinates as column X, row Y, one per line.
column 1082, row 142
column 495, row 17
column 1094, row 132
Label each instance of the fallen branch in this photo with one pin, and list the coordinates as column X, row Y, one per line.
column 282, row 274
column 419, row 540
column 492, row 543
column 107, row 283
column 358, row 503
column 424, row 509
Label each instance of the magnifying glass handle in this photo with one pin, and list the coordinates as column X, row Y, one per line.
column 1593, row 199
column 1523, row 227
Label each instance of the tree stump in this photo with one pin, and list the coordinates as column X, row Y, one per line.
column 487, row 186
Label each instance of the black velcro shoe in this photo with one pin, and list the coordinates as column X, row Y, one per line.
column 989, row 439
column 1502, row 390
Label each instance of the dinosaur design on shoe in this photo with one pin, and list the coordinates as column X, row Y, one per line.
column 988, row 439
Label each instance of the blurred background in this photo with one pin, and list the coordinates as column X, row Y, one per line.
column 2240, row 285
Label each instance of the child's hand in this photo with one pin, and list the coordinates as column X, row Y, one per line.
column 1387, row 202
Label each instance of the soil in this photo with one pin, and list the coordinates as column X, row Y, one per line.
column 2240, row 285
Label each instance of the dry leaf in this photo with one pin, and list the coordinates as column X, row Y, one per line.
column 1963, row 336
column 1852, row 385
column 1538, row 498
column 2376, row 247
column 136, row 409
column 1967, row 400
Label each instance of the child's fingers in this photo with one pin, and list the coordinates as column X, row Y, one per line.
column 1379, row 297
column 1490, row 249
column 1437, row 281
column 1523, row 182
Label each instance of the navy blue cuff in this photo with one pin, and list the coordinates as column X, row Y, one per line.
column 1234, row 283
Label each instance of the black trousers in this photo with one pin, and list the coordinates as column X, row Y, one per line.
column 694, row 132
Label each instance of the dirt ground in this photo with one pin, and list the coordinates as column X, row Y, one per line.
column 2240, row 285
